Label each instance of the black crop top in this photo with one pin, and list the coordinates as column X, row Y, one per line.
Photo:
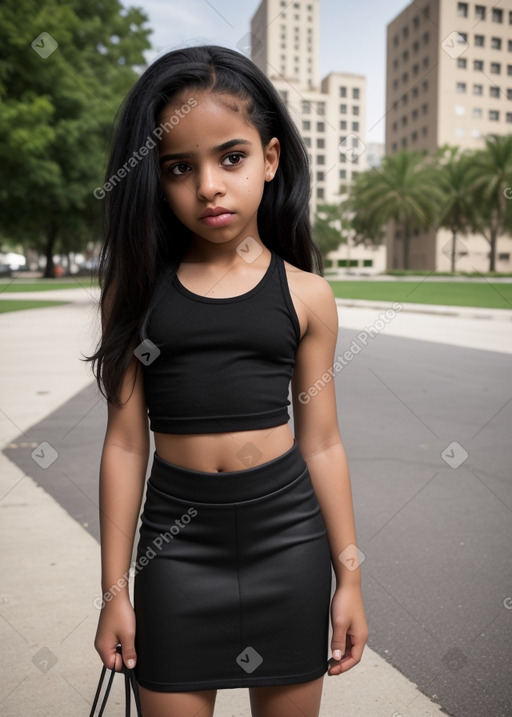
column 224, row 364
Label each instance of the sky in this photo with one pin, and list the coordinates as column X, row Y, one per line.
column 352, row 37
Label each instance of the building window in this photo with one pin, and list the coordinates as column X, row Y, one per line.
column 320, row 126
column 395, row 126
column 355, row 110
column 395, row 84
column 355, row 93
column 343, row 124
column 478, row 89
column 306, row 107
column 480, row 12
column 494, row 115
column 321, row 108
column 414, row 137
column 395, row 67
column 462, row 63
column 307, row 141
column 497, row 15
column 478, row 65
column 510, row 17
column 320, row 143
column 424, row 85
column 509, row 69
column 343, row 172
column 479, row 40
column 343, row 109
column 477, row 113
column 495, row 92
column 509, row 94
column 462, row 9
column 414, row 115
column 424, row 108
column 404, row 142
column 404, row 121
column 394, row 147
column 510, row 46
column 405, row 78
column 355, row 126
column 416, row 47
column 405, row 55
column 424, row 131
column 508, row 117
column 461, row 87
column 462, row 37
column 320, row 193
column 320, row 159
column 426, row 38
column 405, row 32
column 415, row 92
column 496, row 43
column 306, row 125
column 343, row 91
column 320, row 176
column 495, row 68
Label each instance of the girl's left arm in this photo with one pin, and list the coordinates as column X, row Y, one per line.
column 319, row 440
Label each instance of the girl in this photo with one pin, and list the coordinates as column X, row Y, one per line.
column 211, row 303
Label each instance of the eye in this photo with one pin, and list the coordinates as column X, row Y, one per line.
column 231, row 160
column 178, row 169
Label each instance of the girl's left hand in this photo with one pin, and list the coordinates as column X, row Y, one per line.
column 350, row 630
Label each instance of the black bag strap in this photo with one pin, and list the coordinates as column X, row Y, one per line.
column 130, row 685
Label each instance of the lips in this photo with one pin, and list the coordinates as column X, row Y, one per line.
column 214, row 212
column 216, row 217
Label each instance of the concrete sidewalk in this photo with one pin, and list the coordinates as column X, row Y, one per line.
column 51, row 571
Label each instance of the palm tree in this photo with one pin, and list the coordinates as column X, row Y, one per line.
column 491, row 174
column 404, row 189
column 456, row 212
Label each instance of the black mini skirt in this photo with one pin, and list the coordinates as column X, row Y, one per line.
column 233, row 578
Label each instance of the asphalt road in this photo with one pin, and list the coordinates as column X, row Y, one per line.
column 434, row 524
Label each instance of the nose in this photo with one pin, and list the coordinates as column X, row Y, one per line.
column 210, row 182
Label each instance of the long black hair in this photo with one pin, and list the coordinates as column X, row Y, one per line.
column 142, row 236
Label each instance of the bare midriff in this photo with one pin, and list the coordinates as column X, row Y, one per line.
column 223, row 452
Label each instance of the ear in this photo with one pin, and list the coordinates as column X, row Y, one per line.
column 272, row 152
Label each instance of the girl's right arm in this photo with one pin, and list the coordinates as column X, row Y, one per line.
column 123, row 467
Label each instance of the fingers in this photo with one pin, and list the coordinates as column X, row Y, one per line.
column 129, row 656
column 352, row 656
column 114, row 652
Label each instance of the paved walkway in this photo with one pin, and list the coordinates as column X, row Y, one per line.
column 51, row 569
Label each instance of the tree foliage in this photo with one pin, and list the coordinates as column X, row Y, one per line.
column 57, row 111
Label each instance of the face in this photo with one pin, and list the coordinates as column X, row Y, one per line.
column 214, row 168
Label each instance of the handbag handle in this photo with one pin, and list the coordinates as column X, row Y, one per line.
column 130, row 685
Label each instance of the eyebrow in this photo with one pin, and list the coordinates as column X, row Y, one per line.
column 219, row 148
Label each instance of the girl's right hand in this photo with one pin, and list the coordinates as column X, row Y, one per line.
column 116, row 625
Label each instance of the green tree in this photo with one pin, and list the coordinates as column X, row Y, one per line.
column 456, row 211
column 403, row 189
column 330, row 228
column 56, row 113
column 491, row 174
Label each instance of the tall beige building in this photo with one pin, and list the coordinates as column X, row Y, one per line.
column 449, row 80
column 329, row 113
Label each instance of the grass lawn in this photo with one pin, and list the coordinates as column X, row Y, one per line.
column 14, row 305
column 486, row 294
column 46, row 285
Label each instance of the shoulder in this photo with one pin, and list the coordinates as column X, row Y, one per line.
column 309, row 287
column 313, row 298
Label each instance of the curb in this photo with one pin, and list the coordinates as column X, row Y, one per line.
column 467, row 312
